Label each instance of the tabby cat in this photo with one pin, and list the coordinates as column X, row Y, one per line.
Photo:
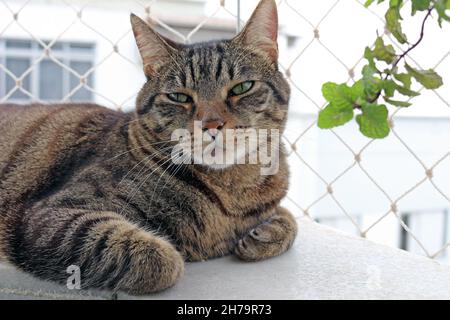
column 87, row 186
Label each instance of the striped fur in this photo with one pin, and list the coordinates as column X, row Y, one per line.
column 83, row 185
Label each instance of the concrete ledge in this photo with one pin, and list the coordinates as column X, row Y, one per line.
column 323, row 264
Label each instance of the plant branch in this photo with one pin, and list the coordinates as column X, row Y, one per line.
column 422, row 33
column 404, row 54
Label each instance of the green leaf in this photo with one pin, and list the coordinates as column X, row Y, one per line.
column 331, row 116
column 397, row 103
column 383, row 52
column 428, row 78
column 369, row 56
column 393, row 24
column 389, row 87
column 406, row 91
column 404, row 78
column 338, row 95
column 328, row 90
column 441, row 6
column 340, row 108
column 372, row 85
column 373, row 122
column 395, row 3
column 419, row 5
column 369, row 2
column 357, row 90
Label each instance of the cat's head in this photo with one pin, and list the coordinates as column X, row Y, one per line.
column 225, row 84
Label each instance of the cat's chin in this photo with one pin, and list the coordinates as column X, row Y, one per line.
column 215, row 166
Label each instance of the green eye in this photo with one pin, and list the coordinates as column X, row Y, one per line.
column 241, row 88
column 179, row 97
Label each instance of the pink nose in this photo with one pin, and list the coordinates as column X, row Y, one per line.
column 212, row 125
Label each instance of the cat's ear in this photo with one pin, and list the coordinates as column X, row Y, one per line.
column 155, row 50
column 261, row 30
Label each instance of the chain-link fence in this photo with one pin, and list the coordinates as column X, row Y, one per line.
column 394, row 190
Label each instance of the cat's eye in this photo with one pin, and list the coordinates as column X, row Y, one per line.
column 179, row 97
column 241, row 88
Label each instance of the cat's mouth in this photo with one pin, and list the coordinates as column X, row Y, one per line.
column 236, row 147
column 217, row 156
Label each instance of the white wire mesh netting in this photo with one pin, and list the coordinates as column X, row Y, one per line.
column 394, row 190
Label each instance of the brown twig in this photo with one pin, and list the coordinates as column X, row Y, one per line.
column 404, row 54
column 422, row 33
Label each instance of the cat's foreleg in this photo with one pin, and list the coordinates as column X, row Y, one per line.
column 108, row 250
column 268, row 239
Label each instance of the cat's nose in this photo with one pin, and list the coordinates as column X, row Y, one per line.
column 213, row 125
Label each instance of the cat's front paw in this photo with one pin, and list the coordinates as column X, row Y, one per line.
column 268, row 239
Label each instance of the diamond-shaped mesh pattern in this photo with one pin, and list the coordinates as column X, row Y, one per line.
column 329, row 39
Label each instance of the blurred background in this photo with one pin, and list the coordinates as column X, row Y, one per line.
column 394, row 191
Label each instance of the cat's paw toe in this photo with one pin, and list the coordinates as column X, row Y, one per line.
column 250, row 249
column 266, row 240
column 262, row 233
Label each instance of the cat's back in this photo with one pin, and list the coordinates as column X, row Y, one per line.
column 19, row 124
column 37, row 139
column 39, row 127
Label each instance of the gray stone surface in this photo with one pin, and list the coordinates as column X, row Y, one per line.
column 323, row 264
column 15, row 284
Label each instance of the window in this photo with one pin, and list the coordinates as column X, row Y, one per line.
column 45, row 78
column 431, row 227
